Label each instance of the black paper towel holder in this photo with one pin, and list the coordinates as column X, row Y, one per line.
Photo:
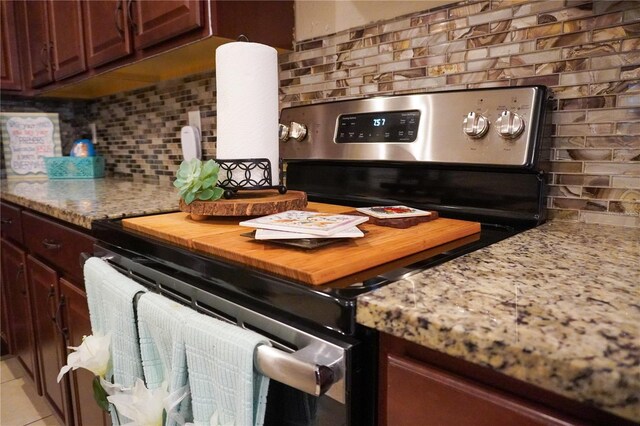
column 256, row 175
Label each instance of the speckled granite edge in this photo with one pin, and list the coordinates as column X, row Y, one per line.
column 82, row 201
column 557, row 307
column 67, row 216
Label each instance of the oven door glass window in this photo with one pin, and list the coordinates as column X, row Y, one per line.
column 287, row 406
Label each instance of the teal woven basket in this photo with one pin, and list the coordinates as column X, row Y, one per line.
column 74, row 167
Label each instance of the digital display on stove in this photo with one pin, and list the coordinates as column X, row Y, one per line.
column 387, row 126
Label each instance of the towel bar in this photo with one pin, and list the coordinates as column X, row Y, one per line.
column 316, row 368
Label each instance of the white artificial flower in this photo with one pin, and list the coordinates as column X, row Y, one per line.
column 93, row 354
column 113, row 388
column 143, row 406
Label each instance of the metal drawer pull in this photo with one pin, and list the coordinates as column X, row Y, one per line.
column 6, row 221
column 51, row 244
column 132, row 22
column 44, row 59
column 58, row 318
column 288, row 369
column 50, row 298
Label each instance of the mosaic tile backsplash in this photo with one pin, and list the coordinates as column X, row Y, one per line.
column 587, row 52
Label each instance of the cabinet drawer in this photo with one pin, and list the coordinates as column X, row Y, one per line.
column 10, row 223
column 56, row 243
column 421, row 394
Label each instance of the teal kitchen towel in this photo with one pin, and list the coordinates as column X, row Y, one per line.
column 110, row 297
column 224, row 383
column 160, row 326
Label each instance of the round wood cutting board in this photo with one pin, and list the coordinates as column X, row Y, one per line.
column 247, row 203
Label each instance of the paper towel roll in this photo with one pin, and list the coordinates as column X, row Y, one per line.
column 247, row 104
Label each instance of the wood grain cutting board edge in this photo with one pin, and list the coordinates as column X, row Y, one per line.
column 221, row 238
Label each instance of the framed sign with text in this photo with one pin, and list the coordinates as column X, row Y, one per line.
column 28, row 137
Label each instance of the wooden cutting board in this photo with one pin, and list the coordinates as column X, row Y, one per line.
column 394, row 247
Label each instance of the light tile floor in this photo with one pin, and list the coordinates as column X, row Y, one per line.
column 20, row 404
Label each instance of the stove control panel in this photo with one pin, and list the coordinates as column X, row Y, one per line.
column 501, row 126
column 383, row 126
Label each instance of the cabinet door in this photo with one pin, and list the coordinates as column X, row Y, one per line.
column 107, row 31
column 49, row 341
column 75, row 322
column 418, row 394
column 14, row 280
column 157, row 21
column 67, row 38
column 10, row 78
column 233, row 18
column 37, row 45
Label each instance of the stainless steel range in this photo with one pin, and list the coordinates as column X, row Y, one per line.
column 485, row 127
column 471, row 155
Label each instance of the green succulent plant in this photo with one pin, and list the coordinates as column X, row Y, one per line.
column 197, row 180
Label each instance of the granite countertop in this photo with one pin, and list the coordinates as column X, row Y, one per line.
column 81, row 201
column 557, row 306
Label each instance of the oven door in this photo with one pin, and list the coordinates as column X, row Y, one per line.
column 317, row 378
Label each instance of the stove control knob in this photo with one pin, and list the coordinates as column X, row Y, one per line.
column 509, row 125
column 294, row 131
column 475, row 125
column 297, row 131
column 283, row 132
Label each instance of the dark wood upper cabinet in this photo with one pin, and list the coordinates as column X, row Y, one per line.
column 157, row 21
column 54, row 40
column 10, row 77
column 67, row 38
column 107, row 31
column 267, row 22
column 116, row 29
column 81, row 49
column 36, row 22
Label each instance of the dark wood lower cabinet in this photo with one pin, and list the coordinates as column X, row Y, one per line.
column 418, row 394
column 419, row 386
column 49, row 340
column 75, row 320
column 16, row 291
column 46, row 308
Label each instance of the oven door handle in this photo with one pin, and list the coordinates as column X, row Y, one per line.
column 317, row 366
column 293, row 370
